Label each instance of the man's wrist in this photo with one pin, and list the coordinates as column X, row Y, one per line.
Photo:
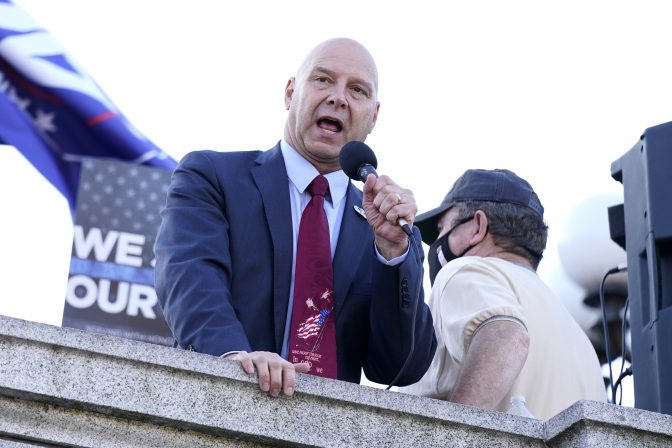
column 392, row 260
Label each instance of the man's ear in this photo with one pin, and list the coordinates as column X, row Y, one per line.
column 375, row 117
column 289, row 92
column 481, row 227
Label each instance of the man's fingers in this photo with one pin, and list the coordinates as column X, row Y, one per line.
column 245, row 361
column 275, row 369
column 275, row 374
column 406, row 211
column 368, row 189
column 261, row 364
column 289, row 376
column 288, row 380
column 302, row 367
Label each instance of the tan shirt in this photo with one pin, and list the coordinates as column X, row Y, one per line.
column 469, row 292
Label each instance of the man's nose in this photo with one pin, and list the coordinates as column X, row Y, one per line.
column 337, row 98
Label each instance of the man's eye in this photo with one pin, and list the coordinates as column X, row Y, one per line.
column 321, row 79
column 358, row 89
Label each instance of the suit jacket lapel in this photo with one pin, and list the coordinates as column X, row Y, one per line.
column 352, row 242
column 270, row 175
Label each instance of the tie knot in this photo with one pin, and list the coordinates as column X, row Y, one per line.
column 319, row 186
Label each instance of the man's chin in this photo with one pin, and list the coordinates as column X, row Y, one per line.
column 327, row 147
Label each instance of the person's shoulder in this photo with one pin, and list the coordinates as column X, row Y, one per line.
column 217, row 156
column 486, row 264
column 207, row 159
column 470, row 263
column 465, row 269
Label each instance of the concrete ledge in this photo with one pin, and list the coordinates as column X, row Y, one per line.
column 593, row 424
column 62, row 386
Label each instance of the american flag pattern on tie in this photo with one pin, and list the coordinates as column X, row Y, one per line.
column 313, row 326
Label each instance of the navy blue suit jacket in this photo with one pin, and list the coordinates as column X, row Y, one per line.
column 224, row 264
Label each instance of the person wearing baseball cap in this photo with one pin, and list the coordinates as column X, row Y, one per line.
column 501, row 332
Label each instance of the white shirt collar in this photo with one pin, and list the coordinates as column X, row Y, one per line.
column 301, row 173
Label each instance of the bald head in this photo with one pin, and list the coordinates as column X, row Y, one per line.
column 359, row 55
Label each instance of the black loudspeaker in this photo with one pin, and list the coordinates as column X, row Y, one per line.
column 646, row 174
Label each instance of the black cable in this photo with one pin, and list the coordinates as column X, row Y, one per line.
column 415, row 312
column 620, row 374
column 611, row 271
column 626, row 372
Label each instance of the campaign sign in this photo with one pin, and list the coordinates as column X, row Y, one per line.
column 111, row 281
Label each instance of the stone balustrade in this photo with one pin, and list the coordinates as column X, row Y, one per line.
column 65, row 387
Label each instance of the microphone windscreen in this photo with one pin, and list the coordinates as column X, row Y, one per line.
column 353, row 155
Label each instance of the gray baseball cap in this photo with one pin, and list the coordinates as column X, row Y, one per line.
column 480, row 185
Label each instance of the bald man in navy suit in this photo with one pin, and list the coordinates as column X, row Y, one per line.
column 226, row 247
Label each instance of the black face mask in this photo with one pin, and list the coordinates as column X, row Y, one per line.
column 440, row 254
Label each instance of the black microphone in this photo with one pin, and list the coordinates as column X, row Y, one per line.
column 358, row 161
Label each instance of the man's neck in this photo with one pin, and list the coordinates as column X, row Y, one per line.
column 515, row 259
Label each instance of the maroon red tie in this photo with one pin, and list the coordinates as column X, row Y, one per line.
column 313, row 331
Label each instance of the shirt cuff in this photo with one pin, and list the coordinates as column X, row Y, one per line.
column 229, row 353
column 395, row 261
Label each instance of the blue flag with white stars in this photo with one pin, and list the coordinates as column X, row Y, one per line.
column 54, row 113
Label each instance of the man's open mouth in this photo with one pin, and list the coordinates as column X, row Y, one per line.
column 330, row 124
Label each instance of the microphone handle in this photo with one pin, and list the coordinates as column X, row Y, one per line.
column 405, row 227
column 363, row 172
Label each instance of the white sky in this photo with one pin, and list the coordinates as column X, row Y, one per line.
column 555, row 91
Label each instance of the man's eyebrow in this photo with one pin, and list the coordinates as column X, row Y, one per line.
column 332, row 73
column 324, row 70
